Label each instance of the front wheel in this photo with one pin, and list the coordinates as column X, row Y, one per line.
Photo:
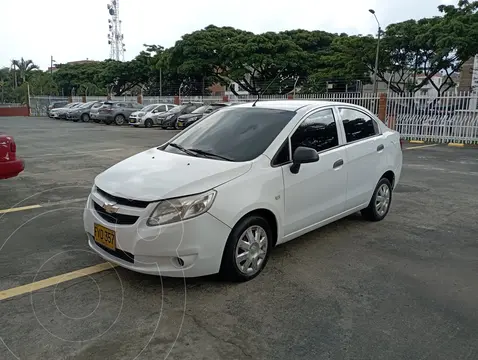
column 380, row 203
column 119, row 120
column 247, row 249
column 85, row 118
column 148, row 123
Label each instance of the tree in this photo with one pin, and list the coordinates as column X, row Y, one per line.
column 25, row 67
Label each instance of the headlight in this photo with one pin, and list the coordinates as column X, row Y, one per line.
column 174, row 210
column 169, row 117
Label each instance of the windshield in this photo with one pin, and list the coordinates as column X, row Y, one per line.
column 149, row 108
column 238, row 134
column 200, row 110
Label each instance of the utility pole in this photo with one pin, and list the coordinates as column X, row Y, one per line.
column 377, row 53
column 160, row 82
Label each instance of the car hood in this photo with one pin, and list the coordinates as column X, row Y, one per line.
column 138, row 113
column 154, row 175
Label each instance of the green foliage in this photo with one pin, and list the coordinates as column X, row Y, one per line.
column 270, row 62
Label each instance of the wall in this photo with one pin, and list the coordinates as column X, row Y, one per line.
column 14, row 111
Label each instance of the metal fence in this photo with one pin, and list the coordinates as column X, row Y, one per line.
column 450, row 118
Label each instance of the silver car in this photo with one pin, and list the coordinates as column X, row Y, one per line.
column 135, row 117
column 151, row 118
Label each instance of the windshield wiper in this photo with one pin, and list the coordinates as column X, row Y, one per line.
column 182, row 149
column 206, row 153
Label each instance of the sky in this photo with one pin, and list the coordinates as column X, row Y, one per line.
column 77, row 30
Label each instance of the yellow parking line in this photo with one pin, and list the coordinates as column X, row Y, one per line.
column 416, row 142
column 5, row 211
column 456, row 144
column 419, row 147
column 37, row 285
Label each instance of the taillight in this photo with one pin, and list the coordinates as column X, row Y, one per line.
column 13, row 147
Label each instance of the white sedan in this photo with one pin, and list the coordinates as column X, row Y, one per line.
column 217, row 197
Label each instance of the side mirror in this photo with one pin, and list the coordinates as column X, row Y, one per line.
column 303, row 155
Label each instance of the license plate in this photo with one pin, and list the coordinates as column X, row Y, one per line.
column 105, row 237
column 180, row 124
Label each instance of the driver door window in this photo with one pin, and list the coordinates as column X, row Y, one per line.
column 161, row 109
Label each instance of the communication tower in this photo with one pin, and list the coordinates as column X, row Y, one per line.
column 115, row 36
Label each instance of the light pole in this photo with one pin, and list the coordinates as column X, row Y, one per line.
column 376, row 55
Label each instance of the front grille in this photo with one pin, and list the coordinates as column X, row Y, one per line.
column 118, row 219
column 123, row 255
column 123, row 201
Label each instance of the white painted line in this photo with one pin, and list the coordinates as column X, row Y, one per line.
column 48, row 204
column 420, row 147
column 72, row 153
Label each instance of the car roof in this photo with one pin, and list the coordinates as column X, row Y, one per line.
column 293, row 105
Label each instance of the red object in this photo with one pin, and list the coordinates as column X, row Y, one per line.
column 10, row 166
column 14, row 111
column 401, row 143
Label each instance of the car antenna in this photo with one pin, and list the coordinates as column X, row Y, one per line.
column 274, row 79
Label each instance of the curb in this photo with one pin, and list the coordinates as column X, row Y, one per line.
column 457, row 145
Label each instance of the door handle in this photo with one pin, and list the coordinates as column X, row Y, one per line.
column 380, row 147
column 338, row 163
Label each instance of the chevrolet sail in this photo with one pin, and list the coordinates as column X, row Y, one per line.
column 219, row 196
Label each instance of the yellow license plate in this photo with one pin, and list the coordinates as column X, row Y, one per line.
column 105, row 237
column 180, row 124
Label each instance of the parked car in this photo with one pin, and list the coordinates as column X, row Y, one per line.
column 10, row 165
column 60, row 113
column 55, row 105
column 188, row 119
column 82, row 112
column 151, row 117
column 168, row 119
column 222, row 193
column 117, row 111
column 137, row 115
column 94, row 112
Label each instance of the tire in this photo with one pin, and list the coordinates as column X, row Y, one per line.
column 85, row 117
column 375, row 212
column 97, row 121
column 230, row 266
column 148, row 123
column 120, row 120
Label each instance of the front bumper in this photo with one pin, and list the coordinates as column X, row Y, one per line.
column 134, row 121
column 199, row 242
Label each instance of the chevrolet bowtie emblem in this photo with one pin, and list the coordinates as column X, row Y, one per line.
column 110, row 208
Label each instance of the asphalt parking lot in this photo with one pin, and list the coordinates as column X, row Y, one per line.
column 403, row 288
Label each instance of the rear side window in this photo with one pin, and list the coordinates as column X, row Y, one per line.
column 357, row 125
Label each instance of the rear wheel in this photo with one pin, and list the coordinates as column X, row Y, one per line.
column 247, row 249
column 85, row 117
column 148, row 123
column 119, row 120
column 380, row 203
